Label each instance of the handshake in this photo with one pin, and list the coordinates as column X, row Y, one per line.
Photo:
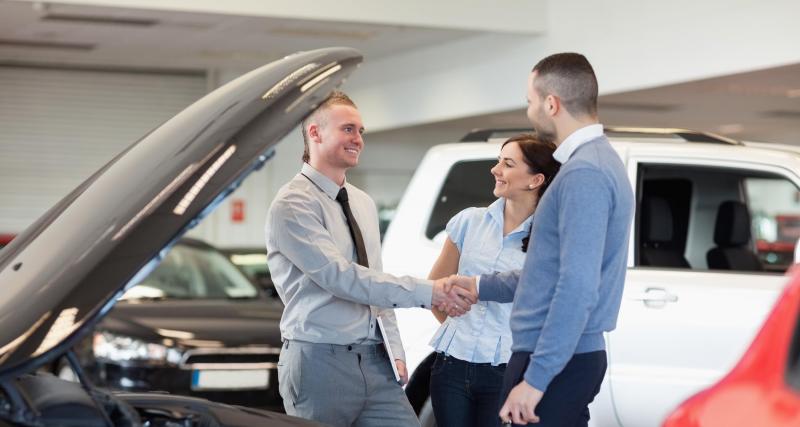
column 455, row 294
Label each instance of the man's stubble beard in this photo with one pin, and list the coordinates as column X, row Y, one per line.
column 544, row 134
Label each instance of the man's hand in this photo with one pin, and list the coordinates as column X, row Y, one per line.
column 466, row 282
column 402, row 370
column 520, row 405
column 454, row 300
column 455, row 285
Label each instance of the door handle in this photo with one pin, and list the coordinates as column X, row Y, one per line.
column 656, row 297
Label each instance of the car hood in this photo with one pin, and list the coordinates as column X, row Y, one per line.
column 199, row 323
column 66, row 270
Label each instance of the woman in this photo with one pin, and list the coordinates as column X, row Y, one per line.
column 472, row 350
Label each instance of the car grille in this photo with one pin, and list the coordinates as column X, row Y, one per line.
column 231, row 358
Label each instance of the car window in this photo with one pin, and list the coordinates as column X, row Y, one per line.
column 189, row 272
column 468, row 183
column 712, row 218
column 775, row 204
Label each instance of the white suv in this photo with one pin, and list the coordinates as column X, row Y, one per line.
column 700, row 199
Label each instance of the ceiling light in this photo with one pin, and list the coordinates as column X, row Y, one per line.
column 730, row 128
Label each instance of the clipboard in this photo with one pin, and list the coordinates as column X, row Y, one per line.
column 389, row 351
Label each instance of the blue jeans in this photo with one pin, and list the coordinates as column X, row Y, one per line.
column 465, row 394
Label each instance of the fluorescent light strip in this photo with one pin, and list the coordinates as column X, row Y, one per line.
column 321, row 76
column 187, row 200
column 286, row 81
column 166, row 191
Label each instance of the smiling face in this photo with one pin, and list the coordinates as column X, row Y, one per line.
column 513, row 178
column 336, row 139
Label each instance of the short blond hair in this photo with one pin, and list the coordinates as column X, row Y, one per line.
column 337, row 97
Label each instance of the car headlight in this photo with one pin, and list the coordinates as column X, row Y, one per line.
column 121, row 348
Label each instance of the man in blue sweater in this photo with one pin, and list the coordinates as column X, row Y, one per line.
column 569, row 290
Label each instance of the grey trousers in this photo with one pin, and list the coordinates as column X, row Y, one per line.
column 342, row 385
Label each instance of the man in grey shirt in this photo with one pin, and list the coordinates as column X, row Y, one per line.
column 323, row 249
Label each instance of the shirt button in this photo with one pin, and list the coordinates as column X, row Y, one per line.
column 394, row 305
column 422, row 306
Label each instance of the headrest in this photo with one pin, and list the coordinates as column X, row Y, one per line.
column 733, row 224
column 657, row 220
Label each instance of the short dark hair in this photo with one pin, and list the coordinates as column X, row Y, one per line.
column 538, row 155
column 336, row 97
column 571, row 77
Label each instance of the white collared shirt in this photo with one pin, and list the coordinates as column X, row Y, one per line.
column 575, row 140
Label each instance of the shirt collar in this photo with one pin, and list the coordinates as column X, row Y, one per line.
column 327, row 185
column 575, row 140
column 495, row 211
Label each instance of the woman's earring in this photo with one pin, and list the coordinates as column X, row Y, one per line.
column 530, row 186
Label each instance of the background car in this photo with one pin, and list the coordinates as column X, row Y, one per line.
column 253, row 262
column 764, row 388
column 194, row 326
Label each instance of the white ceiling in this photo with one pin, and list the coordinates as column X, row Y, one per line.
column 762, row 105
column 78, row 34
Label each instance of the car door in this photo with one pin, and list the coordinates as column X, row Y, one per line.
column 683, row 325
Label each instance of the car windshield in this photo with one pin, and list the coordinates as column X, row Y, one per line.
column 253, row 264
column 189, row 272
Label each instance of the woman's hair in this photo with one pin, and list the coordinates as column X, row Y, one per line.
column 538, row 155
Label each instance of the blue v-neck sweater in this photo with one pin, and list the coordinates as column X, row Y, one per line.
column 569, row 290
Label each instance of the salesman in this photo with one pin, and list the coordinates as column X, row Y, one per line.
column 324, row 257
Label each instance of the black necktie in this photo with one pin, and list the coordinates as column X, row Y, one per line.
column 355, row 232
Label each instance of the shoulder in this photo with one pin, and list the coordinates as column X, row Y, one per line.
column 471, row 214
column 295, row 193
column 359, row 195
column 580, row 170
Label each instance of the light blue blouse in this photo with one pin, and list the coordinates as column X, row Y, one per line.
column 483, row 335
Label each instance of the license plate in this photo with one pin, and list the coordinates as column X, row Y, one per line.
column 225, row 379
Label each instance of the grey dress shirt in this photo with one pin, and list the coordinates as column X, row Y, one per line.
column 329, row 298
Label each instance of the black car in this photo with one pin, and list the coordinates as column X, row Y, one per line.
column 253, row 262
column 64, row 273
column 194, row 326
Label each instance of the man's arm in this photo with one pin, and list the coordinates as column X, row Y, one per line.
column 498, row 287
column 300, row 236
column 584, row 208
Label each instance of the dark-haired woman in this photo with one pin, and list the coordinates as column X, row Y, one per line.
column 472, row 350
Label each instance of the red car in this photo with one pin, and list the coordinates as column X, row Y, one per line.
column 764, row 388
column 5, row 239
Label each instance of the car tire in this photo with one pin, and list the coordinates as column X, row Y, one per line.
column 426, row 417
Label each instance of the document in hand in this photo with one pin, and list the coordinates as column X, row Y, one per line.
column 388, row 350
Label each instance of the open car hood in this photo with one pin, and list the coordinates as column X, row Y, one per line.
column 63, row 273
